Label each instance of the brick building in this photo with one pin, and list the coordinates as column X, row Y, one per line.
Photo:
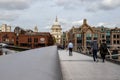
column 34, row 40
column 7, row 37
column 27, row 39
column 83, row 36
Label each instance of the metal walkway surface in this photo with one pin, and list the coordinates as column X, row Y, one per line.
column 34, row 64
column 82, row 67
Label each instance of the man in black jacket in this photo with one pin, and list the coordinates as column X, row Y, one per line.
column 103, row 50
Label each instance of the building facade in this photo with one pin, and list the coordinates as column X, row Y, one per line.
column 115, row 37
column 56, row 31
column 83, row 36
column 7, row 37
column 35, row 29
column 5, row 28
column 26, row 39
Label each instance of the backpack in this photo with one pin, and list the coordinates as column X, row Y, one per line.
column 104, row 47
column 95, row 46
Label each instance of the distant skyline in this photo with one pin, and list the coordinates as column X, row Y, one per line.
column 42, row 13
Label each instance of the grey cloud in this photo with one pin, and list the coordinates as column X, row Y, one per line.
column 63, row 21
column 117, row 25
column 9, row 16
column 90, row 5
column 77, row 23
column 109, row 4
column 67, row 4
column 104, row 5
column 10, row 9
column 15, row 4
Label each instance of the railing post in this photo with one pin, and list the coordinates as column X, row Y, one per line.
column 109, row 53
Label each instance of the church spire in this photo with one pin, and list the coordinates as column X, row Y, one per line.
column 56, row 20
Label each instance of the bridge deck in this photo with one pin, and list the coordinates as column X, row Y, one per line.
column 35, row 64
column 82, row 67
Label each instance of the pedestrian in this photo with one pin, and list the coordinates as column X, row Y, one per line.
column 103, row 50
column 70, row 47
column 94, row 48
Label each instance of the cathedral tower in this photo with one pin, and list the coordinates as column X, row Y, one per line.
column 56, row 31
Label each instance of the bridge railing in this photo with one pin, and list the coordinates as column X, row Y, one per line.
column 110, row 56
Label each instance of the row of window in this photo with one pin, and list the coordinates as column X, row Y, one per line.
column 116, row 42
column 35, row 39
column 57, row 30
column 29, row 40
column 30, row 45
column 57, row 36
column 116, row 36
column 116, row 31
column 108, row 42
column 7, row 40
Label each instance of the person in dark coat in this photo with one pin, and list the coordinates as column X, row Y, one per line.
column 94, row 47
column 103, row 50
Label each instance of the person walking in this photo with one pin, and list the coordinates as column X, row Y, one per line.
column 103, row 50
column 94, row 48
column 70, row 47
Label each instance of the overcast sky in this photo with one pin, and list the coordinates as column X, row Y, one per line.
column 42, row 13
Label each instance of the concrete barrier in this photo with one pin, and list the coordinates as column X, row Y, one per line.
column 35, row 64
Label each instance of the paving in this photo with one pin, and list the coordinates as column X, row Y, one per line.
column 82, row 67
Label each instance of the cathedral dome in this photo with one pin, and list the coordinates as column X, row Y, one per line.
column 56, row 23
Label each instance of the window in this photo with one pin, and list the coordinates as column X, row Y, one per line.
column 114, row 42
column 88, row 38
column 108, row 33
column 102, row 29
column 117, row 36
column 107, row 36
column 114, row 36
column 95, row 35
column 103, row 36
column 118, row 42
column 78, row 35
column 88, row 35
column 108, row 42
column 35, row 39
column 13, row 40
column 29, row 40
column 79, row 40
column 6, row 39
column 56, row 30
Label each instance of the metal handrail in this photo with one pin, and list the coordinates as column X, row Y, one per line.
column 110, row 54
column 114, row 55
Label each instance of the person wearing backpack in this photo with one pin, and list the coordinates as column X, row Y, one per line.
column 103, row 50
column 94, row 48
